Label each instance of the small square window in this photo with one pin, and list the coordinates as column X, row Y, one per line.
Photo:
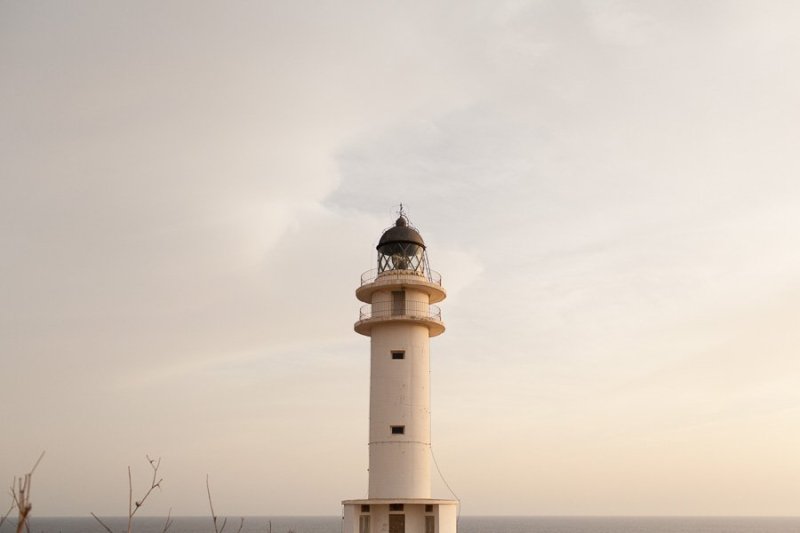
column 429, row 508
column 398, row 430
column 395, row 506
column 398, row 354
column 365, row 508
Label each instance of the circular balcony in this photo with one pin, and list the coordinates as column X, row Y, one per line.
column 430, row 275
column 413, row 311
column 429, row 282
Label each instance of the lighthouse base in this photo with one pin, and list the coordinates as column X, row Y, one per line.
column 415, row 515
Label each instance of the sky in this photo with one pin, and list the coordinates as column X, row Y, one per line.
column 191, row 190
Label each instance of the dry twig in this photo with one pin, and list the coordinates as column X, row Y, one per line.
column 3, row 518
column 21, row 494
column 154, row 464
column 102, row 523
column 215, row 518
column 211, row 506
column 168, row 522
column 134, row 506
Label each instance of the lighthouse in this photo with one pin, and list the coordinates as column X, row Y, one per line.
column 400, row 318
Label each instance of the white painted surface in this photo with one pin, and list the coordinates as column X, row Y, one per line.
column 445, row 513
column 399, row 465
column 446, row 518
column 350, row 518
column 415, row 518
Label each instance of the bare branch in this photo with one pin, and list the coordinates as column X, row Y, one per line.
column 130, row 500
column 14, row 491
column 135, row 506
column 39, row 460
column 168, row 522
column 21, row 494
column 101, row 523
column 211, row 506
column 11, row 508
column 215, row 518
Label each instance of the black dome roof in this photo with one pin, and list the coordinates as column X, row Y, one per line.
column 401, row 232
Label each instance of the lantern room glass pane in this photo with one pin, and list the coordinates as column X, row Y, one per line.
column 401, row 256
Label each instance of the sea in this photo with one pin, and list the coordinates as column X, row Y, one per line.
column 466, row 524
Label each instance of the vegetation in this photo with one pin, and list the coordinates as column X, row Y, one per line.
column 134, row 506
column 21, row 498
column 21, row 492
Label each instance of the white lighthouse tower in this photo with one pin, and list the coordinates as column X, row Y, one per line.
column 399, row 318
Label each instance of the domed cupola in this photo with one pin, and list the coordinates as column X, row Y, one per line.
column 401, row 248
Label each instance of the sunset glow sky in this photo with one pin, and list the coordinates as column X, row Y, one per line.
column 610, row 190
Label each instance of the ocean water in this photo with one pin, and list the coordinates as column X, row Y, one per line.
column 466, row 524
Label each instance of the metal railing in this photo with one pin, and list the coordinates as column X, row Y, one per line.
column 430, row 276
column 406, row 309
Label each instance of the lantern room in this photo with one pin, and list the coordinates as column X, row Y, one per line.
column 401, row 248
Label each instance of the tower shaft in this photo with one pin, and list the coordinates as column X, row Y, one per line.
column 400, row 421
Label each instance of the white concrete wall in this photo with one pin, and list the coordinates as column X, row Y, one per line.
column 380, row 519
column 350, row 520
column 419, row 296
column 415, row 518
column 381, row 297
column 446, row 518
column 399, row 465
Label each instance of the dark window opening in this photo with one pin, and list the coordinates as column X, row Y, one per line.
column 398, row 430
column 429, row 508
column 398, row 354
column 397, row 523
column 395, row 506
column 398, row 303
column 365, row 508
